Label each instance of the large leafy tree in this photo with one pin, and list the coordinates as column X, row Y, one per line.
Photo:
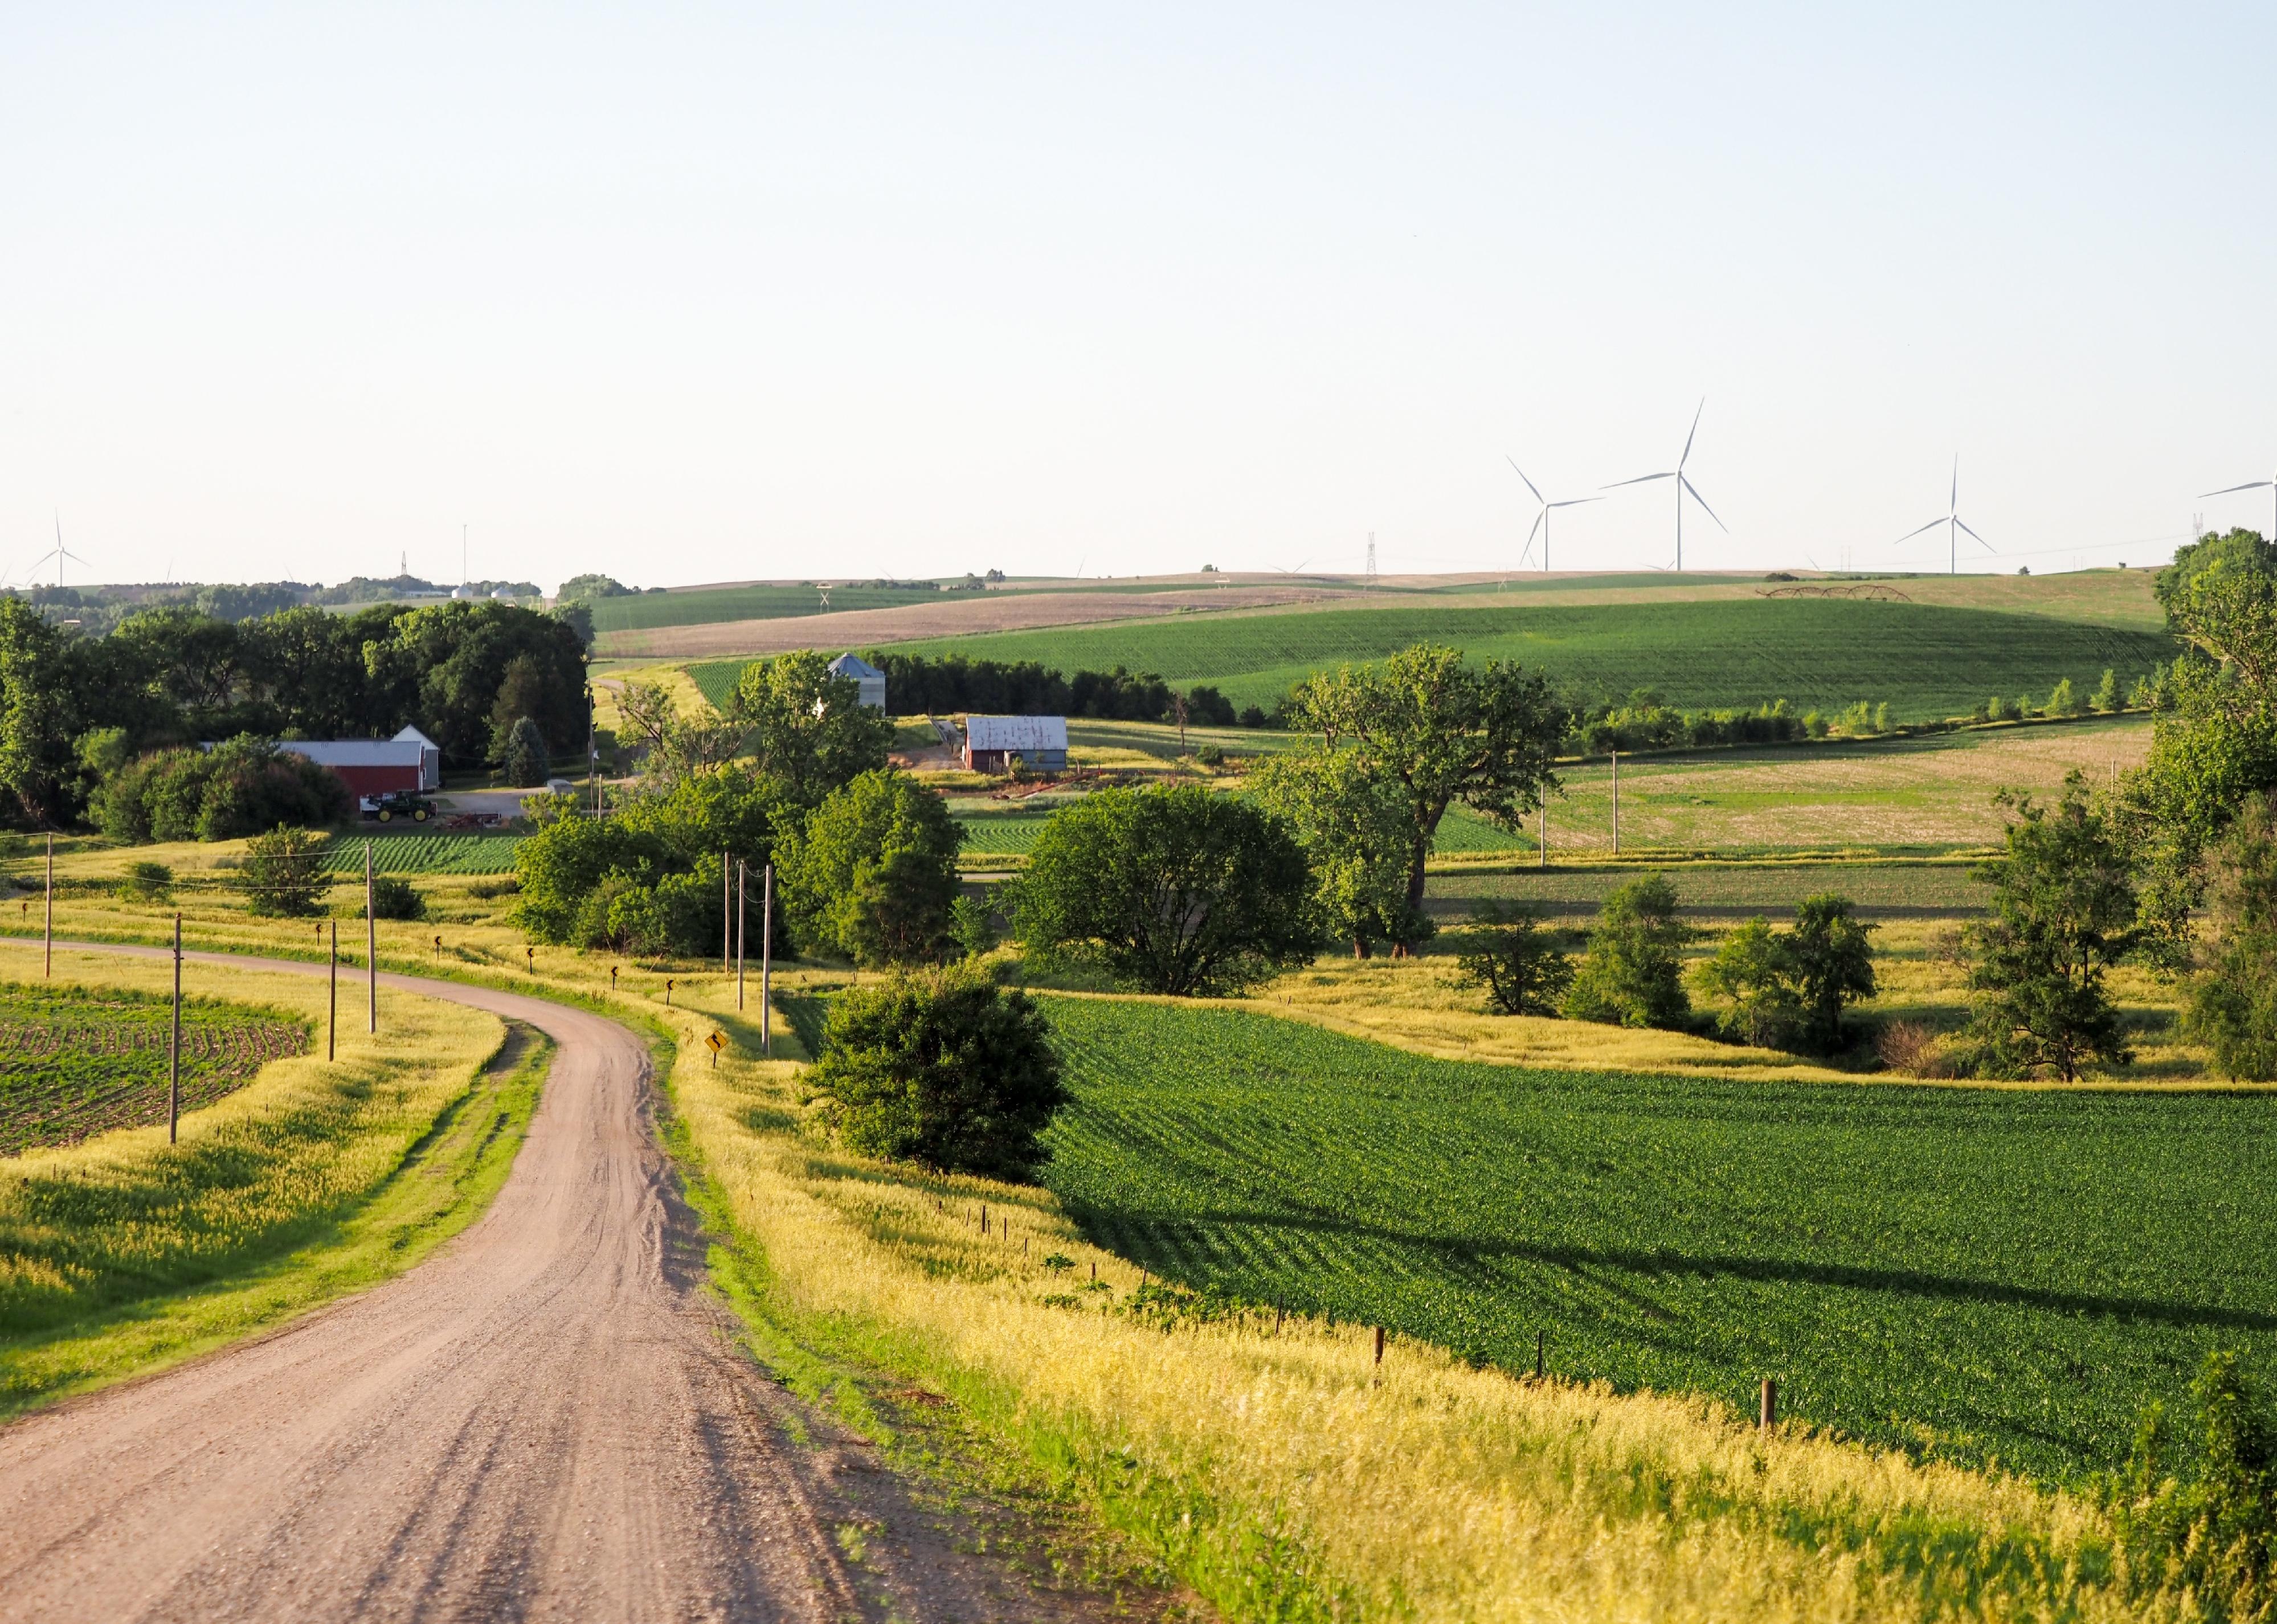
column 1633, row 974
column 873, row 872
column 2232, row 991
column 1445, row 732
column 38, row 715
column 1788, row 989
column 2063, row 912
column 806, row 726
column 1355, row 828
column 945, row 1069
column 1174, row 889
column 447, row 665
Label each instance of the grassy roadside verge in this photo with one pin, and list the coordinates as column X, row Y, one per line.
column 1279, row 1471
column 123, row 1254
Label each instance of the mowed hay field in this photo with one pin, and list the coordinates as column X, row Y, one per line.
column 1925, row 661
column 1978, row 1274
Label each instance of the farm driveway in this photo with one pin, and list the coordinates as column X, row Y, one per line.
column 546, row 1421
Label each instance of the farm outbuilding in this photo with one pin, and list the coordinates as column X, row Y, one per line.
column 410, row 761
column 1039, row 741
column 865, row 675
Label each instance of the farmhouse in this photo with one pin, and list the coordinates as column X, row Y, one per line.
column 410, row 760
column 991, row 742
column 865, row 676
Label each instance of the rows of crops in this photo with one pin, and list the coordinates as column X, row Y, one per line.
column 424, row 854
column 74, row 1063
column 1984, row 1274
column 745, row 603
column 1924, row 661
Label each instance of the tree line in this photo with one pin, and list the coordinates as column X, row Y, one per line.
column 77, row 710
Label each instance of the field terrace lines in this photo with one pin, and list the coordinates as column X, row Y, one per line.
column 546, row 1420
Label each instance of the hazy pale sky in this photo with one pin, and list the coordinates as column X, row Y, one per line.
column 691, row 293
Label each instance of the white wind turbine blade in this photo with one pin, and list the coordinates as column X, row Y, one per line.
column 1972, row 535
column 1689, row 439
column 1540, row 520
column 1909, row 535
column 1703, row 500
column 1641, row 479
column 1529, row 484
column 2259, row 484
column 1574, row 501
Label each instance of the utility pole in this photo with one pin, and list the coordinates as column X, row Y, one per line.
column 766, row 960
column 332, row 1009
column 1545, row 825
column 726, row 916
column 740, row 868
column 1616, row 802
column 174, row 1047
column 48, row 930
column 371, row 947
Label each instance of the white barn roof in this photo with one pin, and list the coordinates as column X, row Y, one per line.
column 1021, row 733
column 853, row 666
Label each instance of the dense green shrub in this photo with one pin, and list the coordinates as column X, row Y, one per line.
column 394, row 897
column 943, row 1067
column 522, row 762
column 238, row 787
column 2233, row 993
column 2205, row 1524
column 1787, row 989
column 1524, row 968
column 146, row 883
column 871, row 875
column 1633, row 974
column 283, row 874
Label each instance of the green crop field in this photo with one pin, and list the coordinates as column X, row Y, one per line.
column 1925, row 661
column 74, row 1063
column 706, row 606
column 424, row 854
column 1982, row 1274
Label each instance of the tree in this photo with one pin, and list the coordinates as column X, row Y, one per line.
column 242, row 786
column 973, row 925
column 2063, row 912
column 2106, row 699
column 1787, row 989
column 447, row 665
column 1174, row 889
column 1354, row 827
column 943, row 1067
column 2061, row 700
column 1633, row 974
column 523, row 761
column 809, row 728
column 1524, row 968
column 872, row 874
column 2232, row 991
column 677, row 745
column 283, row 874
column 394, row 897
column 36, row 723
column 1445, row 732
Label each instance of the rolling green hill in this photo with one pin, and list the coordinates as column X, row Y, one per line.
column 1925, row 661
column 1990, row 1274
column 708, row 605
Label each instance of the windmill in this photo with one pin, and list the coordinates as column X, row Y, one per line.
column 59, row 554
column 2268, row 485
column 1954, row 525
column 1541, row 519
column 1683, row 486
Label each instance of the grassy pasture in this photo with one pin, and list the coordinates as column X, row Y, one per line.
column 705, row 604
column 1976, row 1273
column 75, row 1062
column 1926, row 661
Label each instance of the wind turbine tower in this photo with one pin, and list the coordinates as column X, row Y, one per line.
column 1954, row 524
column 1683, row 486
column 60, row 553
column 1541, row 519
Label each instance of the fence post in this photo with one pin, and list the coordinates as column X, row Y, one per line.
column 767, row 960
column 1379, row 1345
column 741, row 866
column 1770, row 1417
column 174, row 1047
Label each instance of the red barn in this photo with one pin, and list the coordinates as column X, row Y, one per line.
column 410, row 761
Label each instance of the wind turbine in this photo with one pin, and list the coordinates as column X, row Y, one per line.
column 1541, row 519
column 2270, row 485
column 60, row 553
column 1683, row 486
column 1954, row 525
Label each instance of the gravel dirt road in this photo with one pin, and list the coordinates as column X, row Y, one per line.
column 546, row 1421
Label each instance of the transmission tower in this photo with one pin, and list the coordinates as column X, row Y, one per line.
column 1371, row 558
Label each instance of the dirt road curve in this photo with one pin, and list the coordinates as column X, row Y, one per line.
column 543, row 1422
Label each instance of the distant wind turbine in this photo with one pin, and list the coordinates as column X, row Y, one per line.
column 2269, row 484
column 59, row 554
column 1683, row 486
column 1954, row 524
column 1541, row 519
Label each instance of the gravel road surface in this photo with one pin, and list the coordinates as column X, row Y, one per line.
column 544, row 1421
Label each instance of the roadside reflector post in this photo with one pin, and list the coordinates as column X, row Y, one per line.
column 613, row 977
column 332, row 1014
column 766, row 959
column 174, row 1046
column 371, row 947
column 667, row 991
column 1770, row 1416
column 438, row 949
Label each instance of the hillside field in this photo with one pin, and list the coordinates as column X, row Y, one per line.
column 1975, row 1273
column 1925, row 661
